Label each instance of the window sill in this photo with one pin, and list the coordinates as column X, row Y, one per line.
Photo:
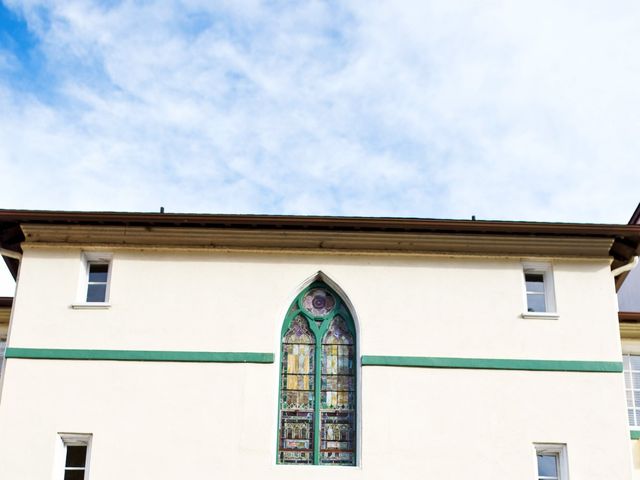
column 91, row 306
column 541, row 315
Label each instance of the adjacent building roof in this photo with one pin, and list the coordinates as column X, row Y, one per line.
column 635, row 218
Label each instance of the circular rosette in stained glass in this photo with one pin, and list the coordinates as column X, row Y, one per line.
column 318, row 302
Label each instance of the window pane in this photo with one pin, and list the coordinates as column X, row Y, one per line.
column 297, row 396
column 98, row 272
column 338, row 400
column 74, row 475
column 97, row 293
column 76, row 455
column 534, row 282
column 547, row 465
column 635, row 362
column 535, row 303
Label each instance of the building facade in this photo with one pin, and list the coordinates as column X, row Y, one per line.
column 5, row 313
column 629, row 317
column 159, row 346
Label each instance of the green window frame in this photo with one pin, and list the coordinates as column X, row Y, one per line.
column 317, row 401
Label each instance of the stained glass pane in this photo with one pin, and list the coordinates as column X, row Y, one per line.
column 299, row 332
column 318, row 302
column 297, row 394
column 338, row 396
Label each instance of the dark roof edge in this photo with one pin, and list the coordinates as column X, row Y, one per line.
column 317, row 223
column 6, row 302
column 629, row 317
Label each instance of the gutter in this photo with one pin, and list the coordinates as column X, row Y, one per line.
column 10, row 254
column 626, row 267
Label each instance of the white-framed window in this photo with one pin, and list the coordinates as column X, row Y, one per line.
column 540, row 300
column 95, row 281
column 76, row 448
column 551, row 461
column 631, row 365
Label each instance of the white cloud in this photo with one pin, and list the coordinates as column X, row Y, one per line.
column 526, row 110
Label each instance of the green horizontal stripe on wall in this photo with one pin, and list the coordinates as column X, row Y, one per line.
column 635, row 434
column 493, row 364
column 138, row 355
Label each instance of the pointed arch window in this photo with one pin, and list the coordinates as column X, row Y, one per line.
column 317, row 407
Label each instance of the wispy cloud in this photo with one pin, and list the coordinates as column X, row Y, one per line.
column 525, row 110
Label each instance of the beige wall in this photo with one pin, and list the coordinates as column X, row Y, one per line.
column 187, row 420
column 459, row 307
column 173, row 420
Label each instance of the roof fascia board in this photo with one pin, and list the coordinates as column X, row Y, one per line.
column 630, row 331
column 491, row 244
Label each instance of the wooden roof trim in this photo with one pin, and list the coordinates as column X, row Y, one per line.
column 629, row 317
column 87, row 236
column 317, row 222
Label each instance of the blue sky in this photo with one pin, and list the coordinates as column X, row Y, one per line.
column 504, row 110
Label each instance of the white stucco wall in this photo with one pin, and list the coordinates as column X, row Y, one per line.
column 189, row 420
column 441, row 306
column 167, row 421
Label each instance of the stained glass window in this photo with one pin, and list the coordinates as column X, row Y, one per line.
column 318, row 381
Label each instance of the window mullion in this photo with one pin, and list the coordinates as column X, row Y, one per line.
column 318, row 391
